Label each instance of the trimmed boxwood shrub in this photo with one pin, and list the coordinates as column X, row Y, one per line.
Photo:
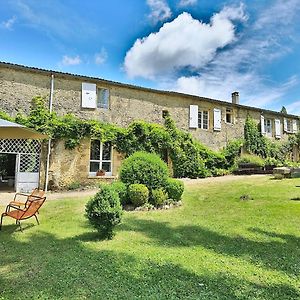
column 174, row 188
column 145, row 168
column 104, row 211
column 138, row 194
column 159, row 196
column 121, row 188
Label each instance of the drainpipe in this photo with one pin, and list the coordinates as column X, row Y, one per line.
column 49, row 141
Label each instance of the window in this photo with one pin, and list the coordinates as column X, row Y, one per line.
column 100, row 157
column 103, row 98
column 289, row 125
column 203, row 119
column 268, row 126
column 229, row 117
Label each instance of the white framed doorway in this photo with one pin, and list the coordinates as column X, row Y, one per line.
column 27, row 162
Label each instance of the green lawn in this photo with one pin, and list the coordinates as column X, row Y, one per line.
column 214, row 247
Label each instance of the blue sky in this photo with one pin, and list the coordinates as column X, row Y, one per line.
column 202, row 47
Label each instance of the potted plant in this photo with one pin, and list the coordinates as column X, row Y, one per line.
column 100, row 172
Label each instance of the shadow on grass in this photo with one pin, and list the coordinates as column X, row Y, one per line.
column 46, row 267
column 278, row 255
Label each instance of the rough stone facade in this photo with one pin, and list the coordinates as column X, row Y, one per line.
column 69, row 166
column 18, row 85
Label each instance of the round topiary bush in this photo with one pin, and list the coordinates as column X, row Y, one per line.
column 104, row 211
column 145, row 168
column 138, row 194
column 174, row 188
column 159, row 196
column 121, row 189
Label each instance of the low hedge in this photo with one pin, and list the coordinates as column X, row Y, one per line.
column 159, row 196
column 174, row 188
column 138, row 194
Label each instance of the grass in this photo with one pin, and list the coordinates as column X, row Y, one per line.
column 214, row 247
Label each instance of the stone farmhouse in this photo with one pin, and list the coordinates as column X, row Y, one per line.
column 213, row 122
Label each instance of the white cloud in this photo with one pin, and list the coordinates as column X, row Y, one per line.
column 240, row 66
column 184, row 3
column 253, row 91
column 160, row 10
column 9, row 23
column 101, row 57
column 184, row 42
column 70, row 61
column 293, row 108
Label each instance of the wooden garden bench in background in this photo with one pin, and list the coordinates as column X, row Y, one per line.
column 30, row 210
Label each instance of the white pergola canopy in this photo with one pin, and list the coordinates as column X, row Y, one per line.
column 10, row 130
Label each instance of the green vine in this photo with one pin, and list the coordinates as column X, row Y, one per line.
column 189, row 157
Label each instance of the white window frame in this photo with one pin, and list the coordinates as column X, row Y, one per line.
column 98, row 103
column 100, row 160
column 288, row 125
column 229, row 111
column 268, row 125
column 201, row 119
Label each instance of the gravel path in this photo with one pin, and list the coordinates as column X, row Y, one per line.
column 5, row 198
column 191, row 182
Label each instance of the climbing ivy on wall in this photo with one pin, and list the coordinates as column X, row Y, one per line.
column 189, row 157
column 258, row 144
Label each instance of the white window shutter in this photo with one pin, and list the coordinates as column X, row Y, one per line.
column 89, row 96
column 277, row 129
column 285, row 127
column 262, row 124
column 217, row 119
column 193, row 116
column 295, row 127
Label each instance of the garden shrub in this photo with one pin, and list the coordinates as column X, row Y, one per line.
column 254, row 142
column 121, row 189
column 138, row 194
column 251, row 159
column 184, row 152
column 158, row 196
column 174, row 188
column 272, row 162
column 144, row 168
column 74, row 185
column 232, row 151
column 104, row 211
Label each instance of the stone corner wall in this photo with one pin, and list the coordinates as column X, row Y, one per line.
column 69, row 166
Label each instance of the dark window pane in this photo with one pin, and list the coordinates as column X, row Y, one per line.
column 205, row 120
column 94, row 166
column 106, row 166
column 200, row 119
column 106, row 151
column 103, row 98
column 95, row 150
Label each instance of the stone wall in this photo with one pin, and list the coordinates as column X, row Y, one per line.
column 69, row 166
column 19, row 85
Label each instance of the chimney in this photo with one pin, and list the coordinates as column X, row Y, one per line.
column 235, row 98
